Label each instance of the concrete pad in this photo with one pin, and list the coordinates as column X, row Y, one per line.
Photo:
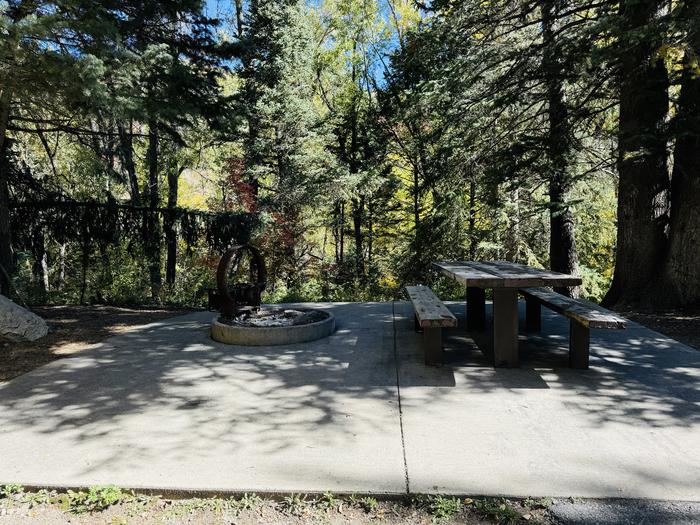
column 167, row 407
column 628, row 427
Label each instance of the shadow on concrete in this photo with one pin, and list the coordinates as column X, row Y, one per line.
column 168, row 392
column 636, row 375
column 169, row 388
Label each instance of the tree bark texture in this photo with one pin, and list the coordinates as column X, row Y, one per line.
column 563, row 256
column 6, row 254
column 153, row 229
column 681, row 283
column 126, row 149
column 642, row 213
column 170, row 231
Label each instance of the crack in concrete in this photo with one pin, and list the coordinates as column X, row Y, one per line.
column 398, row 394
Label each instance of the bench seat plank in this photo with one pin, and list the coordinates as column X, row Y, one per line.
column 430, row 311
column 584, row 312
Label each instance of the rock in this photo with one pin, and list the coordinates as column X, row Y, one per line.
column 18, row 324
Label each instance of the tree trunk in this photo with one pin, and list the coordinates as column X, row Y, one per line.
column 370, row 233
column 170, row 231
column 126, row 149
column 6, row 255
column 238, row 5
column 512, row 240
column 38, row 267
column 341, row 226
column 358, row 213
column 338, row 223
column 85, row 264
column 416, row 209
column 61, row 267
column 153, row 233
column 473, row 241
column 563, row 256
column 681, row 283
column 642, row 209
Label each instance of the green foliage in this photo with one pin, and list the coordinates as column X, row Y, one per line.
column 11, row 489
column 444, row 508
column 41, row 497
column 244, row 503
column 295, row 504
column 94, row 500
column 327, row 502
column 368, row 504
column 355, row 141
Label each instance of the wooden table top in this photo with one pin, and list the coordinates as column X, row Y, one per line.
column 503, row 274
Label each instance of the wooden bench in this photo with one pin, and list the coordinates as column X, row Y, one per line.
column 583, row 315
column 431, row 316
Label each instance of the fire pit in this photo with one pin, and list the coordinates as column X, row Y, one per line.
column 243, row 321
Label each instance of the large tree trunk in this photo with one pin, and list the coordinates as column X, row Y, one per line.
column 642, row 209
column 681, row 283
column 563, row 256
column 6, row 255
column 153, row 233
column 170, row 231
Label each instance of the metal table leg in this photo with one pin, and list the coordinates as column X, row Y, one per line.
column 505, row 327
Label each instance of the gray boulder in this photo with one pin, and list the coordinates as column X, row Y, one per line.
column 18, row 324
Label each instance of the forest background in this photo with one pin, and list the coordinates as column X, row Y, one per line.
column 354, row 141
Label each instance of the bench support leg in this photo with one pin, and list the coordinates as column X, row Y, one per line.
column 505, row 327
column 579, row 345
column 432, row 345
column 533, row 315
column 476, row 308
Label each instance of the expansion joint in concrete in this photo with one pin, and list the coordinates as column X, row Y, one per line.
column 398, row 395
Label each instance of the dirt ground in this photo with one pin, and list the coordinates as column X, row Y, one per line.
column 71, row 330
column 681, row 326
column 291, row 510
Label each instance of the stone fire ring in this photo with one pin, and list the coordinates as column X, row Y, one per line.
column 272, row 335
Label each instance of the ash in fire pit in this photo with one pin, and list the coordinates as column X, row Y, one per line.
column 277, row 317
column 244, row 322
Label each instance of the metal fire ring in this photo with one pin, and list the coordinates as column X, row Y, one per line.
column 237, row 298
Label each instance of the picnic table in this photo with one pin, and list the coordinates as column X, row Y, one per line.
column 504, row 278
